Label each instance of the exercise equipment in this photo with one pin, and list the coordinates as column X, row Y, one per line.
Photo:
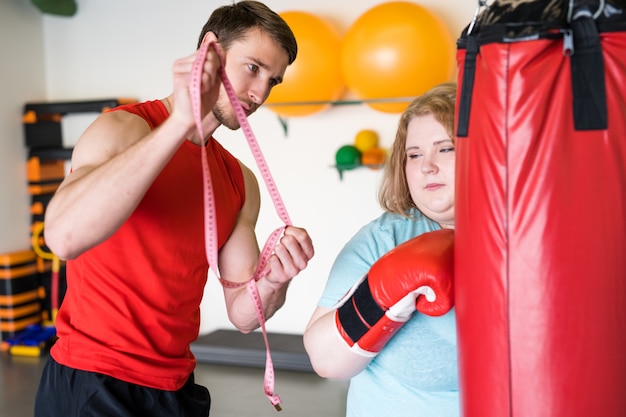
column 315, row 76
column 23, row 332
column 395, row 51
column 231, row 347
column 374, row 157
column 20, row 306
column 540, row 210
column 38, row 244
column 33, row 341
column 365, row 140
column 348, row 157
column 416, row 275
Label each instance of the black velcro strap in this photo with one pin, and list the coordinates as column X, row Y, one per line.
column 359, row 312
column 587, row 68
column 465, row 99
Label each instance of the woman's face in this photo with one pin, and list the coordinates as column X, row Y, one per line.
column 430, row 169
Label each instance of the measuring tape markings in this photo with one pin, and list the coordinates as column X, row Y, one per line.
column 210, row 229
column 210, row 218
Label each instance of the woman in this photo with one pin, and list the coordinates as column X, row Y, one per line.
column 415, row 373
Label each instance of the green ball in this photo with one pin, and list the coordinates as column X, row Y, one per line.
column 348, row 157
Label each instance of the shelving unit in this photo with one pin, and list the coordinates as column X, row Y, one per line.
column 30, row 275
column 343, row 168
column 345, row 102
column 333, row 103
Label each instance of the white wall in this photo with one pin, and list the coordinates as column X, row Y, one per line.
column 21, row 79
column 125, row 48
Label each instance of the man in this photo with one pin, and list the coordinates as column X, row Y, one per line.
column 129, row 220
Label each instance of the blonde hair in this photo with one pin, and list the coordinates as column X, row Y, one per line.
column 394, row 195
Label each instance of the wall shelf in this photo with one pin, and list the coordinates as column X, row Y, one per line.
column 342, row 168
column 345, row 102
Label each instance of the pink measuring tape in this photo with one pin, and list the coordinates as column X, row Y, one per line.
column 210, row 221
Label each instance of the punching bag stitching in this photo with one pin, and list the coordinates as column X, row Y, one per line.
column 506, row 228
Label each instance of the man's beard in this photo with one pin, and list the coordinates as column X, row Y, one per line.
column 222, row 110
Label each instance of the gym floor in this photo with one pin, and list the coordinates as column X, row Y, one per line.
column 236, row 391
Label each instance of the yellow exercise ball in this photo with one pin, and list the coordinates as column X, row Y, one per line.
column 394, row 50
column 315, row 75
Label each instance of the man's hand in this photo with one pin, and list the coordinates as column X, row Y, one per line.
column 210, row 81
column 291, row 255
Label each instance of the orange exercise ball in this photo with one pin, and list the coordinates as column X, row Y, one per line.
column 374, row 157
column 394, row 50
column 315, row 75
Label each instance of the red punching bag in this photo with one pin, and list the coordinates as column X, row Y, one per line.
column 541, row 210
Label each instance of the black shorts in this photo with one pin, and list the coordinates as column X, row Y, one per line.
column 67, row 392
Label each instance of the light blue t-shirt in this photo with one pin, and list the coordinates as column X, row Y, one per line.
column 415, row 375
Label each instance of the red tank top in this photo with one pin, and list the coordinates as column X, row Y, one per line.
column 132, row 305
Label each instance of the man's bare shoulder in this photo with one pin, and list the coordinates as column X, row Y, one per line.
column 111, row 133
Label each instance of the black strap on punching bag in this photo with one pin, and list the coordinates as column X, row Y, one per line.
column 465, row 98
column 581, row 43
column 587, row 69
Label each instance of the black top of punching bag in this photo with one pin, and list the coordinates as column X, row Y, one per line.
column 519, row 20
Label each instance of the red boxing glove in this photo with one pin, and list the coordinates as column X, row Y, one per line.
column 384, row 299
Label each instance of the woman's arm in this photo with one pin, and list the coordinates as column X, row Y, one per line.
column 330, row 355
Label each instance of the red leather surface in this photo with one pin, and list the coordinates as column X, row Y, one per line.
column 541, row 239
